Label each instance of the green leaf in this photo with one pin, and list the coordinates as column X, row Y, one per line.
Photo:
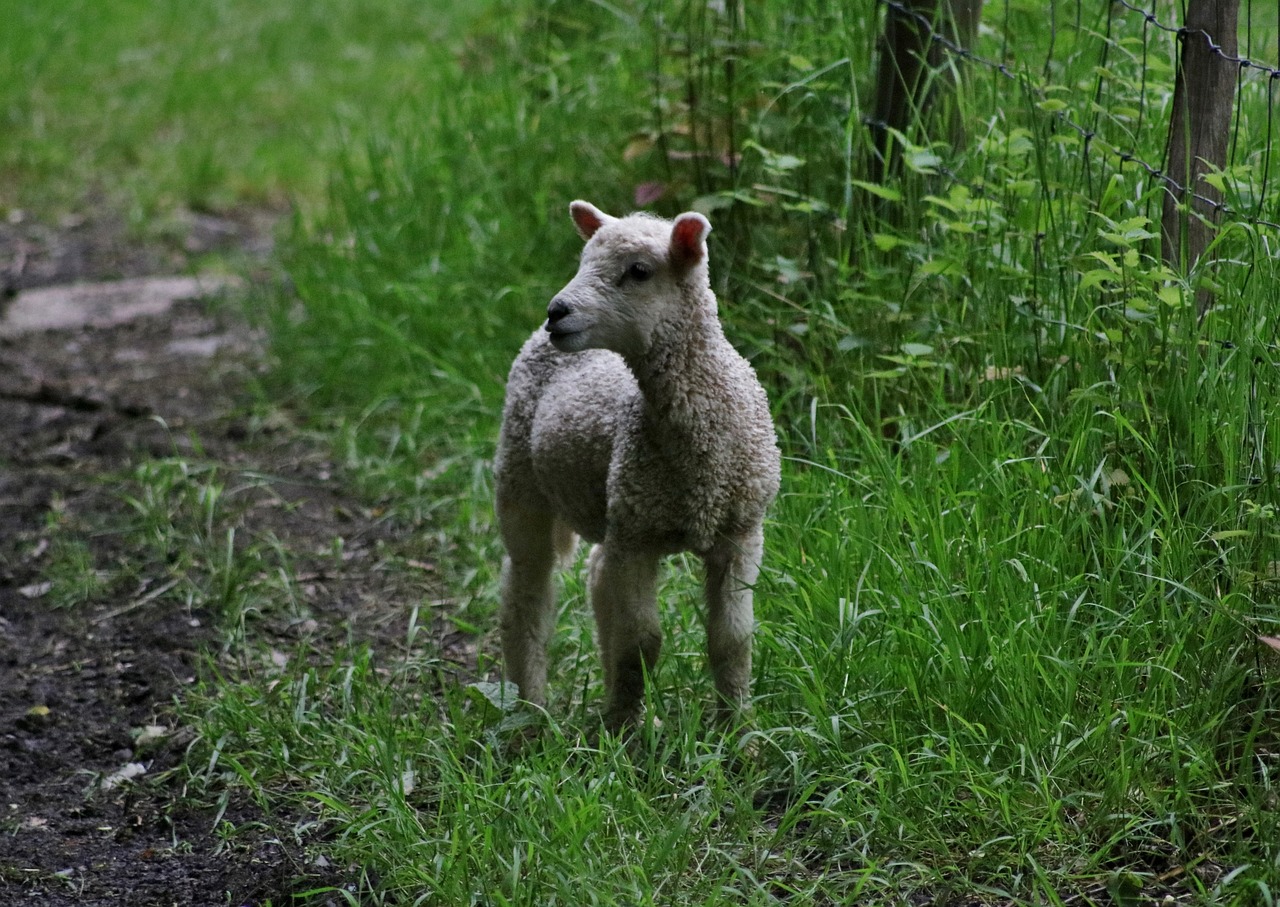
column 774, row 160
column 887, row 373
column 1125, row 889
column 910, row 361
column 941, row 266
column 886, row 242
column 943, row 203
column 1107, row 259
column 708, row 204
column 1216, row 179
column 742, row 195
column 922, row 160
column 1094, row 278
column 1226, row 534
column 1128, row 231
column 884, row 192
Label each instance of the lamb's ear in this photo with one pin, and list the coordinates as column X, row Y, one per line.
column 587, row 218
column 689, row 239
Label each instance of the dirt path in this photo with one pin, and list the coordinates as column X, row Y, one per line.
column 125, row 377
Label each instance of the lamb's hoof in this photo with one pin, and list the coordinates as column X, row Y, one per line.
column 631, row 726
column 741, row 740
column 524, row 729
column 745, row 752
column 521, row 740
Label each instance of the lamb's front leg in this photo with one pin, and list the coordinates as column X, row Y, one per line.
column 624, row 596
column 732, row 568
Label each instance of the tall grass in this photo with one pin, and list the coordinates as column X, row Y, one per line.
column 1009, row 619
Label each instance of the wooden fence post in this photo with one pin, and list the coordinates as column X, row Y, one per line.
column 1203, row 96
column 910, row 56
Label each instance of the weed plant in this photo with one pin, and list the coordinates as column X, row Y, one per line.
column 1010, row 614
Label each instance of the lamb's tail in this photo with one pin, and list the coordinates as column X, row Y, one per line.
column 565, row 542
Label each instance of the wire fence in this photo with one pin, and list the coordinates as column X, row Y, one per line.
column 1091, row 136
column 1182, row 32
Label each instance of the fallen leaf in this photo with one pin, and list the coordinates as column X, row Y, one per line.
column 35, row 590
column 35, row 718
column 126, row 772
column 498, row 697
column 1272, row 641
column 639, row 145
column 648, row 193
column 145, row 736
column 1000, row 372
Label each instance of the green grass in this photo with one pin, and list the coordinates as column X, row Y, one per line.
column 1027, row 537
column 1026, row 541
column 149, row 107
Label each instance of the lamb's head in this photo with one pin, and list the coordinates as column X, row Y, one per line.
column 636, row 272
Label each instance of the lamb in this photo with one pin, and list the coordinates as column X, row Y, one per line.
column 632, row 422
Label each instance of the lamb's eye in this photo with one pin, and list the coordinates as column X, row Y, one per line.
column 639, row 271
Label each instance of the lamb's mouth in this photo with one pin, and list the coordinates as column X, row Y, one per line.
column 567, row 341
column 558, row 333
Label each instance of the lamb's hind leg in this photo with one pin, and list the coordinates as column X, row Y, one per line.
column 732, row 569
column 624, row 596
column 528, row 604
column 602, row 607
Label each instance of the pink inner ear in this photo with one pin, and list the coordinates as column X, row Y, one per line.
column 587, row 218
column 688, row 238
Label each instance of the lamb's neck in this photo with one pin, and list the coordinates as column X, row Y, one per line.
column 679, row 376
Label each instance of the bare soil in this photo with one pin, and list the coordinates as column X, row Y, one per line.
column 79, row 409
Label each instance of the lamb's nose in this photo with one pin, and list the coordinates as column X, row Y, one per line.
column 557, row 310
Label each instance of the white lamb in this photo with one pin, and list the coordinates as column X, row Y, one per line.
column 631, row 421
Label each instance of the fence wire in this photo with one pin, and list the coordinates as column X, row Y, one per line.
column 1090, row 136
column 1182, row 31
